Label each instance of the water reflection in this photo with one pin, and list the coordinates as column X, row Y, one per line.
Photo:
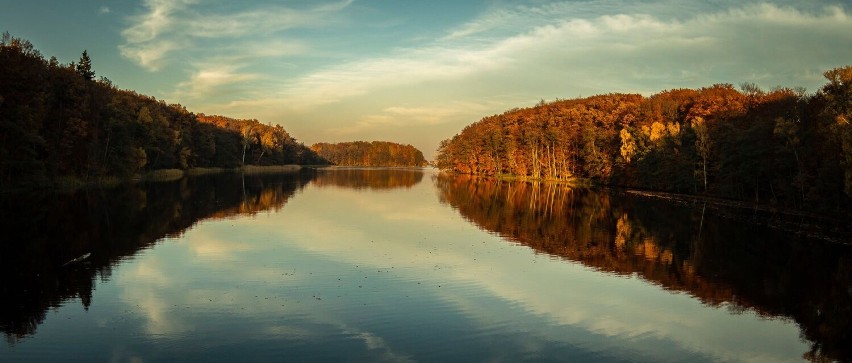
column 368, row 265
column 368, row 178
column 682, row 248
column 55, row 246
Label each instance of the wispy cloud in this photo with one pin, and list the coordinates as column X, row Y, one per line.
column 103, row 10
column 183, row 24
column 210, row 79
column 142, row 37
column 407, row 67
column 220, row 74
column 256, row 22
column 492, row 20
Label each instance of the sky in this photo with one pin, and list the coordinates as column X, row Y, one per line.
column 417, row 72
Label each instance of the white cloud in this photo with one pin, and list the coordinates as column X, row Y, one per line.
column 159, row 19
column 485, row 23
column 171, row 25
column 103, row 10
column 149, row 55
column 409, row 67
column 262, row 21
column 142, row 43
column 211, row 79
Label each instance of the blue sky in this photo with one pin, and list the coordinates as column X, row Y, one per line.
column 418, row 71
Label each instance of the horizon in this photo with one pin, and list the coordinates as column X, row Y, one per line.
column 418, row 73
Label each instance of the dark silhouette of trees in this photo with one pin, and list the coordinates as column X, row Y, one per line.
column 251, row 142
column 376, row 153
column 57, row 122
column 779, row 147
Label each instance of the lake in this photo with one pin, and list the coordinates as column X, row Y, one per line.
column 409, row 265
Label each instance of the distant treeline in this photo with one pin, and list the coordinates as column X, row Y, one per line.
column 780, row 147
column 57, row 121
column 376, row 153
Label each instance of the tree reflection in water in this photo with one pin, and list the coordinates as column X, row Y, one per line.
column 368, row 178
column 55, row 246
column 681, row 247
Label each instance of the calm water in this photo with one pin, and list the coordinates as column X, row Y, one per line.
column 380, row 265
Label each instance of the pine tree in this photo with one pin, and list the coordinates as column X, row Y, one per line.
column 84, row 67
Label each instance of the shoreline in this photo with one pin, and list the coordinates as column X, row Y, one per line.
column 160, row 175
column 572, row 182
column 355, row 167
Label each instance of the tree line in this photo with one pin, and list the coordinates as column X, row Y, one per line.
column 781, row 147
column 364, row 153
column 58, row 121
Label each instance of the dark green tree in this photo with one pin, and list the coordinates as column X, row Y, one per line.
column 84, row 67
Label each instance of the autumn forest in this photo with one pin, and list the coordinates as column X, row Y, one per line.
column 781, row 147
column 376, row 153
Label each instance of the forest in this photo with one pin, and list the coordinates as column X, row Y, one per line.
column 782, row 147
column 57, row 122
column 376, row 153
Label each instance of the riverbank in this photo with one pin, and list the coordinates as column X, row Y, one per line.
column 356, row 167
column 162, row 175
column 572, row 182
column 166, row 175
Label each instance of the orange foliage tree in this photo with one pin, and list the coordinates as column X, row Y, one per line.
column 781, row 147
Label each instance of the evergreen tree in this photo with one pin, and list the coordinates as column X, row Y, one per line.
column 84, row 67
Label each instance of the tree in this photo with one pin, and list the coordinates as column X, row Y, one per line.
column 788, row 130
column 84, row 67
column 628, row 145
column 702, row 144
column 837, row 95
column 248, row 139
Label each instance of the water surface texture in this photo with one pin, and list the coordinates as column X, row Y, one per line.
column 407, row 265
